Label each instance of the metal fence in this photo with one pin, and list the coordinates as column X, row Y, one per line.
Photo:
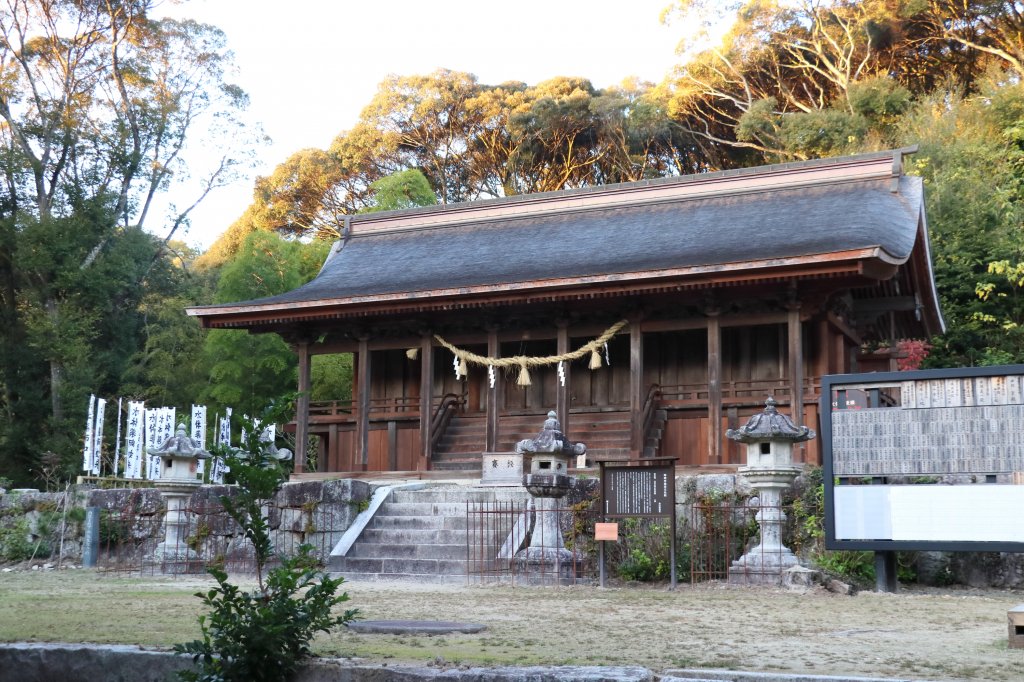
column 714, row 536
column 710, row 540
column 509, row 542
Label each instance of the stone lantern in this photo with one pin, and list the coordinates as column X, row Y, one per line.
column 548, row 481
column 769, row 437
column 179, row 458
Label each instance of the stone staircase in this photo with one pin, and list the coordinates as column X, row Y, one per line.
column 419, row 534
column 605, row 433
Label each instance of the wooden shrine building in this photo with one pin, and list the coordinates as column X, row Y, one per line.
column 733, row 286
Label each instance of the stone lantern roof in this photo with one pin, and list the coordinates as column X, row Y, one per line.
column 180, row 445
column 770, row 425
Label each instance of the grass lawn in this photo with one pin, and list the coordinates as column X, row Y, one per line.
column 928, row 634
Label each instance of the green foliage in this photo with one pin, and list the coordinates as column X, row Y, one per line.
column 642, row 552
column 880, row 100
column 105, row 99
column 973, row 167
column 15, row 541
column 403, row 189
column 247, row 368
column 263, row 634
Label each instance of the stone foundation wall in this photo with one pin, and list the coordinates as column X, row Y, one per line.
column 311, row 512
column 319, row 512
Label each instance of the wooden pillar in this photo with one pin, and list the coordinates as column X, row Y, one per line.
column 636, row 387
column 842, row 356
column 493, row 393
column 562, row 391
column 302, row 408
column 796, row 365
column 714, row 388
column 362, row 458
column 826, row 363
column 426, row 400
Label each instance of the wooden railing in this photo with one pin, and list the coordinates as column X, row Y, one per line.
column 450, row 403
column 752, row 391
column 378, row 407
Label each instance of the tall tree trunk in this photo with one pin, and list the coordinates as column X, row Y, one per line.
column 56, row 367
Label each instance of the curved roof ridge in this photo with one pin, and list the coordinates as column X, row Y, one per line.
column 656, row 190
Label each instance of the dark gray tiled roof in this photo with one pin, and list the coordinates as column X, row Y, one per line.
column 647, row 238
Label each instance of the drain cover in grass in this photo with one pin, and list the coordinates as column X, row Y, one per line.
column 413, row 627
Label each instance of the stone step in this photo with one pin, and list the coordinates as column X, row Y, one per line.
column 460, row 494
column 456, row 464
column 419, row 578
column 411, row 536
column 382, row 566
column 451, row 552
column 419, row 522
column 422, row 509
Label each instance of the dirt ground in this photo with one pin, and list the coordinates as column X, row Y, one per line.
column 927, row 634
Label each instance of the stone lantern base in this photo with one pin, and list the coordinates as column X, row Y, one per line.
column 767, row 562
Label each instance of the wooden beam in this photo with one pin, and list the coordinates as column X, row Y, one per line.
column 426, row 400
column 363, row 424
column 825, row 363
column 685, row 324
column 846, row 329
column 796, row 365
column 714, row 388
column 562, row 391
column 636, row 388
column 302, row 407
column 494, row 394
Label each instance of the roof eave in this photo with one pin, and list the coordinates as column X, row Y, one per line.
column 861, row 262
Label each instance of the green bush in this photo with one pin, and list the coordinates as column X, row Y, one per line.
column 261, row 635
column 15, row 542
column 642, row 553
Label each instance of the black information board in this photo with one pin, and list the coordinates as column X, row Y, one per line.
column 637, row 490
column 644, row 488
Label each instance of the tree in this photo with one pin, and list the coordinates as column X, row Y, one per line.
column 97, row 101
column 262, row 635
column 246, row 369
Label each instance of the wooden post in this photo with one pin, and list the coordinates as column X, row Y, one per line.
column 796, row 366
column 714, row 388
column 302, row 409
column 426, row 400
column 491, row 428
column 826, row 362
column 362, row 458
column 636, row 387
column 562, row 392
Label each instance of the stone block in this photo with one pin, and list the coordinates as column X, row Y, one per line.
column 295, row 520
column 800, row 577
column 502, row 468
column 137, row 501
column 1015, row 622
column 345, row 491
column 208, row 496
column 300, row 494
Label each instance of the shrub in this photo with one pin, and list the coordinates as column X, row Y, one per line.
column 261, row 635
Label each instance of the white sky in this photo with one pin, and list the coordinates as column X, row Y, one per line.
column 310, row 66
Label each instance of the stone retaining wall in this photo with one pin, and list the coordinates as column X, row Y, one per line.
column 32, row 662
column 313, row 512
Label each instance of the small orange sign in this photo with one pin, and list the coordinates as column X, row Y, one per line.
column 606, row 531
